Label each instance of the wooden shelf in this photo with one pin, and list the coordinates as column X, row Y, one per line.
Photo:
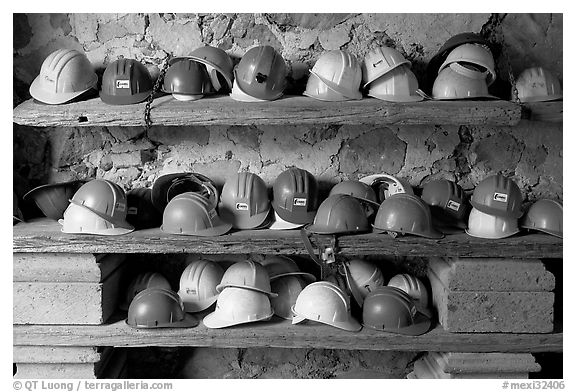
column 543, row 111
column 222, row 110
column 281, row 333
column 44, row 235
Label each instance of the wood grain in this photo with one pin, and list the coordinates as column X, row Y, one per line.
column 222, row 110
column 281, row 333
column 44, row 235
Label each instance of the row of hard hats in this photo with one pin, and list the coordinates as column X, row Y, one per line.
column 464, row 68
column 466, row 71
column 187, row 203
column 250, row 292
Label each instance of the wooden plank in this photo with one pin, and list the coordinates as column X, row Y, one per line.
column 44, row 235
column 223, row 110
column 543, row 111
column 65, row 302
column 64, row 267
column 52, row 354
column 283, row 334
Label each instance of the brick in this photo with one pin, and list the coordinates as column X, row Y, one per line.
column 65, row 303
column 64, row 267
column 53, row 354
column 492, row 311
column 486, row 274
column 485, row 362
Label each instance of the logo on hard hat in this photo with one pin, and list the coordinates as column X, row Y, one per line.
column 242, row 206
column 502, row 197
column 300, row 201
column 123, row 83
column 453, row 205
column 132, row 211
column 120, row 206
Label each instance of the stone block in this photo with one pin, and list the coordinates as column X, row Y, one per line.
column 424, row 368
column 74, row 303
column 55, row 354
column 335, row 38
column 64, row 267
column 492, row 274
column 179, row 37
column 484, row 362
column 176, row 135
column 492, row 311
column 128, row 159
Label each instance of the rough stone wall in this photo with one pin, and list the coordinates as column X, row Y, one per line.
column 531, row 152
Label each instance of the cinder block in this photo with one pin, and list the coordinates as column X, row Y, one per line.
column 65, row 303
column 55, row 354
column 485, row 362
column 492, row 311
column 492, row 274
column 424, row 368
column 64, row 267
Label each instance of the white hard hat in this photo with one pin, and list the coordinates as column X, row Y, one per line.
column 198, row 285
column 239, row 306
column 341, row 72
column 483, row 225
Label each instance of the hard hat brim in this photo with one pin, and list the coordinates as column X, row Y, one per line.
column 55, row 98
column 420, row 326
column 240, row 95
column 307, row 217
column 397, row 98
column 495, row 211
column 220, row 228
column 349, row 325
column 111, row 232
column 161, row 186
column 385, row 71
column 495, row 237
column 124, row 99
column 477, row 97
column 189, row 321
column 227, row 77
column 50, row 211
column 304, row 275
column 555, row 233
column 317, row 229
column 214, row 320
column 252, row 222
column 541, row 98
column 280, row 224
column 352, row 94
column 197, row 305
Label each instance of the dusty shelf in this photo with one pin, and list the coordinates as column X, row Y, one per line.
column 222, row 110
column 44, row 235
column 281, row 333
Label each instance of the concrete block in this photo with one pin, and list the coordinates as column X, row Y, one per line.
column 492, row 274
column 492, row 311
column 64, row 267
column 56, row 354
column 65, row 302
column 485, row 362
column 424, row 368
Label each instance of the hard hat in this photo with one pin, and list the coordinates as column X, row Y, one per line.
column 198, row 285
column 390, row 309
column 295, row 196
column 16, row 213
column 483, row 225
column 398, row 85
column 187, row 80
column 246, row 275
column 447, row 202
column 158, row 308
column 238, row 95
column 277, row 223
column 142, row 281
column 288, row 289
column 537, row 84
column 498, row 195
column 385, row 185
column 317, row 89
column 414, row 287
column 218, row 64
column 65, row 74
column 125, row 82
column 380, row 61
column 326, row 303
column 53, row 199
column 169, row 185
column 279, row 266
column 141, row 213
column 339, row 214
column 239, row 306
column 405, row 214
column 476, row 54
column 365, row 276
column 261, row 73
column 97, row 207
column 244, row 201
column 453, row 42
column 544, row 215
column 340, row 71
column 191, row 214
column 357, row 189
column 460, row 82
